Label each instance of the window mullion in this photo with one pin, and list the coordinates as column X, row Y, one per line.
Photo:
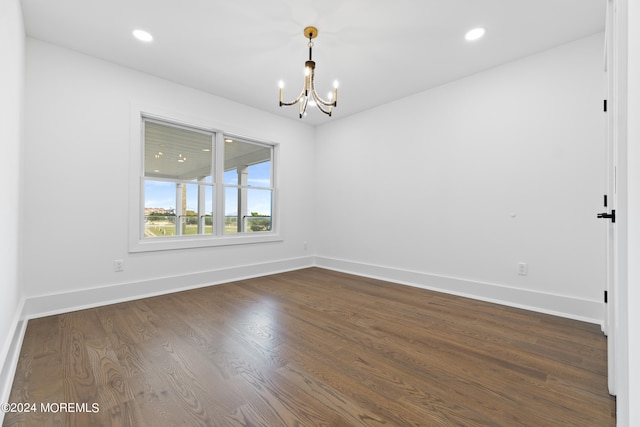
column 218, row 179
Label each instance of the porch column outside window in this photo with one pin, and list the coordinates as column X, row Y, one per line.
column 243, row 179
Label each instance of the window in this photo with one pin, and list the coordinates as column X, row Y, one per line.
column 248, row 194
column 202, row 187
column 178, row 185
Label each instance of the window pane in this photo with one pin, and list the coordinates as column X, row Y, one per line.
column 159, row 208
column 253, row 214
column 176, row 153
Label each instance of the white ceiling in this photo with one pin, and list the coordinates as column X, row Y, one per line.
column 379, row 50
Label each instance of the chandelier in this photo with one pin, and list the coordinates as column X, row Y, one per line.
column 309, row 96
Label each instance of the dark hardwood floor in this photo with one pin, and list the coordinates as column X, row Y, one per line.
column 311, row 348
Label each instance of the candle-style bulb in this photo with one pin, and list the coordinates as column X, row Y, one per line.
column 335, row 93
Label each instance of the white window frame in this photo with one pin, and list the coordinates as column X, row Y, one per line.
column 137, row 241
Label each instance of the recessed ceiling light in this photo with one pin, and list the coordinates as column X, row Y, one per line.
column 142, row 35
column 475, row 34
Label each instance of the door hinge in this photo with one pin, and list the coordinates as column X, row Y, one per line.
column 606, row 297
column 605, row 105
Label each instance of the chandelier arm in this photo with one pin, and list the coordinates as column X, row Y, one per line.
column 321, row 108
column 294, row 102
column 303, row 106
column 316, row 97
column 320, row 101
column 319, row 104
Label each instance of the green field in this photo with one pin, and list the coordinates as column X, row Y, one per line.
column 168, row 228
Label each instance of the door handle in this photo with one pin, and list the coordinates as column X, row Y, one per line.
column 611, row 216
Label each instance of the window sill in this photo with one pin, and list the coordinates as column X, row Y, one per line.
column 192, row 242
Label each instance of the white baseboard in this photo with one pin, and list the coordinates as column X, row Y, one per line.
column 558, row 305
column 47, row 305
column 10, row 355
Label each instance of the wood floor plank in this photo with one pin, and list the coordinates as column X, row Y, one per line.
column 400, row 369
column 313, row 348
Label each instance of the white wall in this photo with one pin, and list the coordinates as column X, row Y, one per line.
column 452, row 187
column 11, row 102
column 76, row 188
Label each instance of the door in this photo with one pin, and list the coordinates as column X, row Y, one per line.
column 610, row 199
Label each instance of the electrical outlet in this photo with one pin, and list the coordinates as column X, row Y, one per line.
column 118, row 265
column 523, row 269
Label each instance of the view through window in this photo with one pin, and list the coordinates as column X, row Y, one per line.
column 184, row 193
